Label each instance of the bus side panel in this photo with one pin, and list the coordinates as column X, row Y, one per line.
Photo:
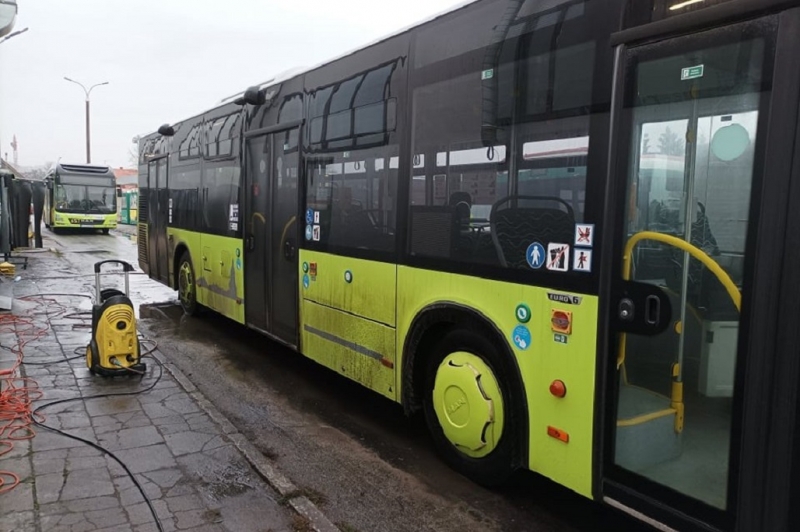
column 360, row 349
column 550, row 356
column 218, row 267
column 370, row 293
column 347, row 309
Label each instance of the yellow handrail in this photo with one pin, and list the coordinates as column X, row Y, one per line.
column 676, row 399
column 683, row 245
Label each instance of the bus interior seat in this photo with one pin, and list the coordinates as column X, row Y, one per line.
column 466, row 240
column 434, row 230
column 515, row 227
column 462, row 201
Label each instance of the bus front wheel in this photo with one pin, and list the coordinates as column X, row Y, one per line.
column 187, row 287
column 468, row 407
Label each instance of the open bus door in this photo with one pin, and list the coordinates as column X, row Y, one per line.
column 696, row 131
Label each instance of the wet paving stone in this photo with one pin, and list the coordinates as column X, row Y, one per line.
column 67, row 485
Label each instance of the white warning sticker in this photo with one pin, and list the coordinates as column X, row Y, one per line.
column 558, row 257
column 582, row 261
column 584, row 235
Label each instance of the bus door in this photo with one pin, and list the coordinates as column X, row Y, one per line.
column 159, row 218
column 691, row 121
column 271, row 182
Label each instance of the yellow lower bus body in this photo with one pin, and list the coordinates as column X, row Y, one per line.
column 67, row 220
column 356, row 316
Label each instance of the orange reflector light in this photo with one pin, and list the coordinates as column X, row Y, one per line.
column 558, row 434
column 388, row 363
column 558, row 388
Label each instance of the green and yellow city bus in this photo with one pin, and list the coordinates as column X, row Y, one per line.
column 80, row 196
column 560, row 229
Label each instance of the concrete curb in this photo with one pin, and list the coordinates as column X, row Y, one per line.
column 294, row 498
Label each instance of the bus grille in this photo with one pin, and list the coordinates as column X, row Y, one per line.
column 141, row 240
column 143, row 207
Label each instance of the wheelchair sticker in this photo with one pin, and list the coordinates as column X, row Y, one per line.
column 521, row 337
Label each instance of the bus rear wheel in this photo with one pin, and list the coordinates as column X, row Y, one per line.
column 187, row 287
column 105, row 231
column 468, row 407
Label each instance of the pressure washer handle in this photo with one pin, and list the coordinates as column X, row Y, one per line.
column 126, row 267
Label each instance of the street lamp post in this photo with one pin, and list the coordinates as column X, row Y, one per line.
column 87, row 92
column 13, row 34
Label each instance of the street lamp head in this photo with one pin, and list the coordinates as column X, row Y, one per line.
column 8, row 15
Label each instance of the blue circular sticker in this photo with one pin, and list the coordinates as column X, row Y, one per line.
column 309, row 216
column 309, row 232
column 535, row 255
column 521, row 337
column 305, row 281
column 238, row 264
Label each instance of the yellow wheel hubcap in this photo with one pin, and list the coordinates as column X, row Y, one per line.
column 468, row 403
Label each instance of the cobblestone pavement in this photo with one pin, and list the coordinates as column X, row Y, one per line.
column 196, row 478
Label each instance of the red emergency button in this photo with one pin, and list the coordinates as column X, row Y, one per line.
column 558, row 388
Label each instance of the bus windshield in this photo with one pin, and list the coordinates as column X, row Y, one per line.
column 85, row 199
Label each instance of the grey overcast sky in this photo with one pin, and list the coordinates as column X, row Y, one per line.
column 164, row 60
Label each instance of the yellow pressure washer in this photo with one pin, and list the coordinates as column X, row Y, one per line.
column 114, row 349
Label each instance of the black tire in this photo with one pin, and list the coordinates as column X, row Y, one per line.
column 105, row 231
column 188, row 301
column 497, row 467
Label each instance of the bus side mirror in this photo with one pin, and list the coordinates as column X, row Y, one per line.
column 254, row 96
column 166, row 130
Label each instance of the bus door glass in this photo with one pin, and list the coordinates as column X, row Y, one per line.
column 283, row 252
column 689, row 128
column 256, row 231
column 271, row 233
column 159, row 217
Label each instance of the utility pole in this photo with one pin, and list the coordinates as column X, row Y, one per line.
column 88, row 134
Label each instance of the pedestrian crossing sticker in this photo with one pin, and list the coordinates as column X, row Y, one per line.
column 558, row 257
column 583, row 260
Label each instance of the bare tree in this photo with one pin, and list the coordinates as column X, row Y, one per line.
column 669, row 143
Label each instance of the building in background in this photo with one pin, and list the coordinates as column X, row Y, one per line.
column 127, row 195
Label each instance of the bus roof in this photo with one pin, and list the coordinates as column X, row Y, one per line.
column 83, row 169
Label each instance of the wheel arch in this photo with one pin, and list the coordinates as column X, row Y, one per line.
column 427, row 327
